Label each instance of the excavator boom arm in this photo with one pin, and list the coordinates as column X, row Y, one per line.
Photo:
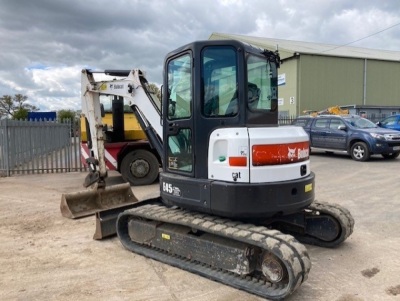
column 132, row 86
column 133, row 89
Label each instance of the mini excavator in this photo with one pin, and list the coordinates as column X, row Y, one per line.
column 236, row 190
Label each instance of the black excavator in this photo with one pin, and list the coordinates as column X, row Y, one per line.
column 236, row 190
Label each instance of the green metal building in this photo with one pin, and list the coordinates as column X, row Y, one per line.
column 317, row 76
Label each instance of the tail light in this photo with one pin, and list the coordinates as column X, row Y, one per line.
column 275, row 154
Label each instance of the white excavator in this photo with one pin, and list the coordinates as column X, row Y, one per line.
column 236, row 189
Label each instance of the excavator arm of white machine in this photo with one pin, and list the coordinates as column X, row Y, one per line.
column 98, row 196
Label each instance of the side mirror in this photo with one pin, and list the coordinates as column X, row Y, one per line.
column 379, row 123
column 342, row 127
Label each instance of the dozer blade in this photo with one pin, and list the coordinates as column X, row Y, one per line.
column 106, row 220
column 88, row 202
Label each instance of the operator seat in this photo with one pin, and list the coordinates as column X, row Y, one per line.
column 253, row 96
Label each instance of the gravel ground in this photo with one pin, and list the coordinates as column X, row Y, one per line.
column 44, row 256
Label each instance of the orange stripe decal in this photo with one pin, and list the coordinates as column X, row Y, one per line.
column 275, row 154
column 238, row 161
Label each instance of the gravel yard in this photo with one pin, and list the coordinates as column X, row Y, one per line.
column 44, row 256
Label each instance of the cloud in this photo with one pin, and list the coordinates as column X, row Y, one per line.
column 55, row 87
column 45, row 43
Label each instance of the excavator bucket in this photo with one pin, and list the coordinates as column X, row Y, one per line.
column 88, row 202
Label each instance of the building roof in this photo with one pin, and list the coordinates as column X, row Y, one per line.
column 288, row 48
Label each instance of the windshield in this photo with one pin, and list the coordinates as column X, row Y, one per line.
column 361, row 123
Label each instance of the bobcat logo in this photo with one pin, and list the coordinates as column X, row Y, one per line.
column 299, row 154
column 291, row 153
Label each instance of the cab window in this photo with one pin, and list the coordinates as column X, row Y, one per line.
column 321, row 123
column 179, row 87
column 261, row 92
column 335, row 123
column 219, row 81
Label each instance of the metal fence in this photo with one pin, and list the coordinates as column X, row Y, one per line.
column 286, row 120
column 29, row 147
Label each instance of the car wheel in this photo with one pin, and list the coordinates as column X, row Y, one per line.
column 391, row 155
column 140, row 167
column 360, row 152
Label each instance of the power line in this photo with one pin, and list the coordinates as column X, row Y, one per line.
column 387, row 28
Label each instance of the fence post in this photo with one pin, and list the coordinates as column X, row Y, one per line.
column 6, row 155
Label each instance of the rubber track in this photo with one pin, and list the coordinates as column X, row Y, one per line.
column 342, row 216
column 292, row 253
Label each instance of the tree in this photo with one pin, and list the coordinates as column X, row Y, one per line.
column 21, row 114
column 69, row 116
column 66, row 114
column 15, row 106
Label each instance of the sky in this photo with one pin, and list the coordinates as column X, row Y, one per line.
column 44, row 44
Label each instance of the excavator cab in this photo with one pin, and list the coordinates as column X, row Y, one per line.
column 220, row 99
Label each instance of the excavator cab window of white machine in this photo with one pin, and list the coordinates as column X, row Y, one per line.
column 219, row 80
column 180, row 151
column 260, row 88
column 179, row 87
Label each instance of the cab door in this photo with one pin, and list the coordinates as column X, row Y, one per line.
column 178, row 127
column 319, row 133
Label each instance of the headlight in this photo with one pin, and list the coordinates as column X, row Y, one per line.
column 378, row 136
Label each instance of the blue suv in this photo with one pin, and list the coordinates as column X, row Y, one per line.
column 353, row 134
column 391, row 122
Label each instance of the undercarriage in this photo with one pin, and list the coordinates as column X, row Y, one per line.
column 252, row 257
